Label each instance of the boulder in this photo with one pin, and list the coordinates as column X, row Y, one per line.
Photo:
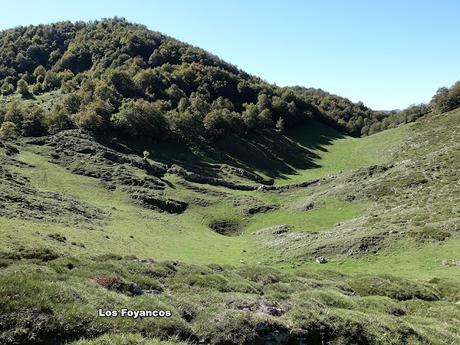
column 321, row 260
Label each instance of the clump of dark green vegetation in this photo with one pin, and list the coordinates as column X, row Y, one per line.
column 140, row 172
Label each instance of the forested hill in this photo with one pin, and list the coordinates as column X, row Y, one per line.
column 112, row 76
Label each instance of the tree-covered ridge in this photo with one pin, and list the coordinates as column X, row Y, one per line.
column 357, row 119
column 114, row 76
column 353, row 118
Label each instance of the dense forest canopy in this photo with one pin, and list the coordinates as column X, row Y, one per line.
column 111, row 75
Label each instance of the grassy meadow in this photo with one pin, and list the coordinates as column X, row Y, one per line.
column 399, row 293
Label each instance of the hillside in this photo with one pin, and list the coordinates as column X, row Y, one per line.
column 198, row 235
column 154, row 176
column 112, row 75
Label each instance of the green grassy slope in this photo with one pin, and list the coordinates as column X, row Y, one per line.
column 345, row 153
column 186, row 237
column 384, row 205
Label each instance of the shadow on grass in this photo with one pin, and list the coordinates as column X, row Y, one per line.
column 278, row 154
column 269, row 152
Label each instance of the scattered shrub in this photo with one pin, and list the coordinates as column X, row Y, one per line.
column 8, row 130
column 23, row 88
column 7, row 89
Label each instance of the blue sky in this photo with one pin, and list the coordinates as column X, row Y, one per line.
column 389, row 54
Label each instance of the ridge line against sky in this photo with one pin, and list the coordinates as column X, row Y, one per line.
column 388, row 54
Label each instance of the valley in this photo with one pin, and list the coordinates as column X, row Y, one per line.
column 367, row 212
column 141, row 173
